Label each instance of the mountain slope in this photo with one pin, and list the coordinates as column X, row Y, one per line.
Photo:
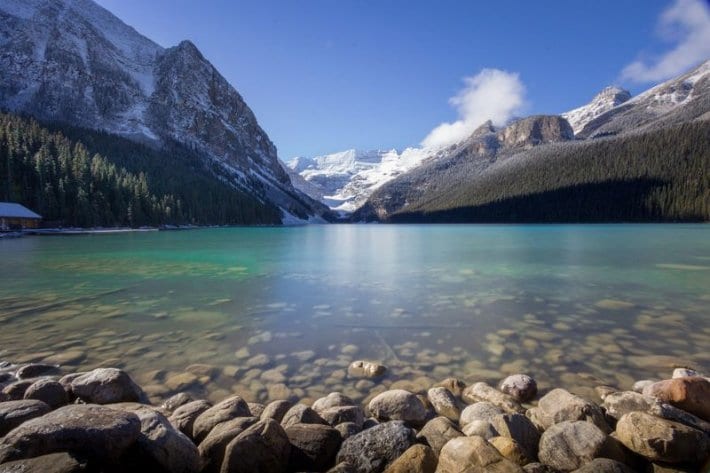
column 661, row 175
column 79, row 177
column 72, row 61
column 679, row 100
column 627, row 149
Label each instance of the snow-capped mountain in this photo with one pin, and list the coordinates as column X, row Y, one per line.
column 345, row 180
column 678, row 100
column 604, row 101
column 73, row 61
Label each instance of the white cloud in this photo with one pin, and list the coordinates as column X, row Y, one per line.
column 685, row 24
column 491, row 94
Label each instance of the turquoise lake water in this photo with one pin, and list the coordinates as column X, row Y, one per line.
column 277, row 312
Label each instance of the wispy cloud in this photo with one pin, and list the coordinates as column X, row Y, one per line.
column 491, row 94
column 686, row 26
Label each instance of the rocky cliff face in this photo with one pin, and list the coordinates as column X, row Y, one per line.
column 604, row 101
column 75, row 62
column 532, row 131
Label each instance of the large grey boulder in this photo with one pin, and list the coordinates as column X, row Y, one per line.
column 14, row 413
column 313, row 446
column 479, row 411
column 49, row 391
column 107, row 386
column 212, row 448
column 51, row 463
column 620, row 403
column 373, row 449
column 559, row 405
column 334, row 399
column 662, row 440
column 263, row 447
column 90, row 431
column 398, row 404
column 160, row 447
column 567, row 446
column 276, row 410
column 226, row 410
column 183, row 417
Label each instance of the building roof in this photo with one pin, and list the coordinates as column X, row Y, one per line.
column 12, row 210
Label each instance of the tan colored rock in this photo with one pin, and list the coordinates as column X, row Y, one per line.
column 662, row 440
column 416, row 459
column 437, row 432
column 473, row 455
column 483, row 392
column 444, row 403
column 510, row 449
column 692, row 394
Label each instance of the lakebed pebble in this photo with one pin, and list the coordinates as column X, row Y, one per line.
column 104, row 420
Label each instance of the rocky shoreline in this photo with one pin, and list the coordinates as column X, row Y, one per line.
column 102, row 421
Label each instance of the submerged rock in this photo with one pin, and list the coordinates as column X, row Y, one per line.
column 366, row 369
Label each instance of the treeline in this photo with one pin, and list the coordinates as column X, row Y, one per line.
column 662, row 175
column 79, row 177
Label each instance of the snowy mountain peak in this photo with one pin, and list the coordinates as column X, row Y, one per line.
column 344, row 180
column 73, row 61
column 604, row 101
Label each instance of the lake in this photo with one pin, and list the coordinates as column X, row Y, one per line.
column 276, row 312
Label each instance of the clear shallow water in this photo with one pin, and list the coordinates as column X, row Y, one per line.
column 275, row 312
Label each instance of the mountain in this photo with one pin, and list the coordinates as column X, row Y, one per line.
column 643, row 159
column 345, row 180
column 454, row 167
column 73, row 62
column 604, row 101
column 679, row 100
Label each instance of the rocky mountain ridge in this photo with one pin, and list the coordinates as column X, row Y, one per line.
column 74, row 62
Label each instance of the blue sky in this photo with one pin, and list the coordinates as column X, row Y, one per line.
column 327, row 75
